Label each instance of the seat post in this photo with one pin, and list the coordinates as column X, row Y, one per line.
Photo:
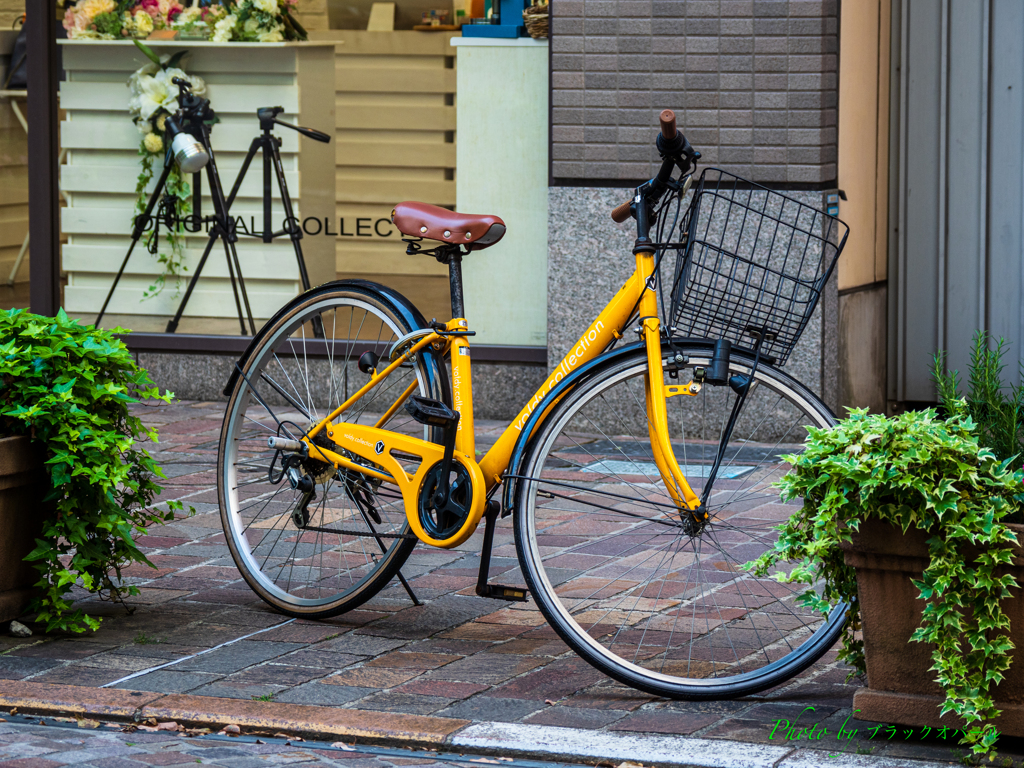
column 455, row 284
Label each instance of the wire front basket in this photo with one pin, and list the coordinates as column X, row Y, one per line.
column 754, row 262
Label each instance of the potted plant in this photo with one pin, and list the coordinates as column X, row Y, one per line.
column 65, row 391
column 908, row 520
column 22, row 477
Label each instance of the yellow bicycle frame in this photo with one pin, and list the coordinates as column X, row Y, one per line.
column 376, row 445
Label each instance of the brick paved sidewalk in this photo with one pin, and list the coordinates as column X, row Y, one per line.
column 456, row 656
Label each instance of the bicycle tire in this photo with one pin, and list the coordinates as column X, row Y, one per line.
column 333, row 564
column 605, row 554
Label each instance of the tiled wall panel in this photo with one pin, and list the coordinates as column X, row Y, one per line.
column 753, row 83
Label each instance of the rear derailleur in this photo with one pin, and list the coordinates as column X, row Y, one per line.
column 304, row 473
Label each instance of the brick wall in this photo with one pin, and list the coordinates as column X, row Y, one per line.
column 753, row 83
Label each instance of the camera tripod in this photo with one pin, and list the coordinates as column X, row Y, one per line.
column 194, row 119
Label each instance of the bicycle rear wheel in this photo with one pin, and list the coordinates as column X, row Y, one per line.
column 324, row 551
column 611, row 564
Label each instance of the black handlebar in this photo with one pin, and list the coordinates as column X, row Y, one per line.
column 675, row 152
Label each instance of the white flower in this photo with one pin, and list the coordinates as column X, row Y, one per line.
column 156, row 92
column 139, row 83
column 224, row 28
column 144, row 127
column 251, row 24
column 152, row 89
column 134, row 81
column 153, row 95
column 267, row 6
column 198, row 84
column 270, row 36
column 188, row 16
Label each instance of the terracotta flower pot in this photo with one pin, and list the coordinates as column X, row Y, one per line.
column 23, row 485
column 901, row 687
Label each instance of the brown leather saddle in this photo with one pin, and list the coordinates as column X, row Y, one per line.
column 433, row 223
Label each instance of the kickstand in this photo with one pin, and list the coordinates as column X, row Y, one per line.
column 415, row 600
column 496, row 591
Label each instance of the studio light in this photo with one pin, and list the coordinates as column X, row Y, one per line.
column 189, row 153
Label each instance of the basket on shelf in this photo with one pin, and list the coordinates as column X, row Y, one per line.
column 754, row 261
column 536, row 19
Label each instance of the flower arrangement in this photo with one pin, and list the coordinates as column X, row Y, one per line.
column 248, row 21
column 199, row 22
column 154, row 97
column 111, row 19
column 263, row 21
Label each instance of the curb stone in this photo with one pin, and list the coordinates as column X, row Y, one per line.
column 543, row 742
column 304, row 720
column 517, row 740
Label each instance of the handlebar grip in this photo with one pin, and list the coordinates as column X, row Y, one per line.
column 668, row 124
column 622, row 212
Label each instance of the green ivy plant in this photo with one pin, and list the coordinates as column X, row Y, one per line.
column 178, row 197
column 998, row 409
column 69, row 386
column 912, row 470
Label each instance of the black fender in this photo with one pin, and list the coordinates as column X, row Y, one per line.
column 396, row 302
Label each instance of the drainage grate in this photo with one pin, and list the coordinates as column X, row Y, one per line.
column 618, row 467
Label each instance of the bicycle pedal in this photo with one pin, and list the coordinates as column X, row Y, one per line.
column 434, row 413
column 501, row 592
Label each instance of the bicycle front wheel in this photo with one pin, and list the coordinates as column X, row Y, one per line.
column 648, row 599
column 321, row 549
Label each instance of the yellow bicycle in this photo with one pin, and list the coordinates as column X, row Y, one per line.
column 639, row 476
